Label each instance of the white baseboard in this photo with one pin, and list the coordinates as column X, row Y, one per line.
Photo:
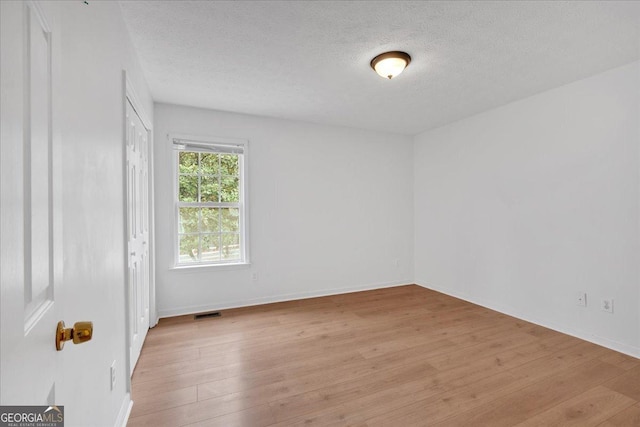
column 584, row 335
column 125, row 411
column 179, row 311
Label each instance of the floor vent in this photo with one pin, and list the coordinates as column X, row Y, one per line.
column 207, row 315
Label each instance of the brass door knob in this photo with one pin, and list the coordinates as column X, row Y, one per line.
column 81, row 332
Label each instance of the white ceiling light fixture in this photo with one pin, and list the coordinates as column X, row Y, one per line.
column 390, row 64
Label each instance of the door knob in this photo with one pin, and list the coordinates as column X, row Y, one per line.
column 81, row 332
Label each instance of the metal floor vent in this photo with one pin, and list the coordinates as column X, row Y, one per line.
column 207, row 315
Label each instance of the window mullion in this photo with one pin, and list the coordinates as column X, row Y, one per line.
column 236, row 205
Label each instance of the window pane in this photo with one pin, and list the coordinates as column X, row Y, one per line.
column 209, row 189
column 230, row 189
column 209, row 164
column 229, row 164
column 230, row 219
column 188, row 188
column 210, row 247
column 189, row 248
column 230, row 246
column 188, row 221
column 210, row 220
column 208, row 233
column 188, row 162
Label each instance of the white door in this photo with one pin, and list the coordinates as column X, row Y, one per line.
column 137, row 143
column 30, row 248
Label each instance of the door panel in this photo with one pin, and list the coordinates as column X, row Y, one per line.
column 138, row 230
column 37, row 150
column 29, row 249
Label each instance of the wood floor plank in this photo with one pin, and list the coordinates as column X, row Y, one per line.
column 627, row 384
column 538, row 397
column 401, row 356
column 300, row 377
column 148, row 360
column 590, row 408
column 350, row 389
column 191, row 413
column 467, row 355
column 334, row 416
column 627, row 418
column 257, row 416
column 621, row 360
column 143, row 405
column 425, row 409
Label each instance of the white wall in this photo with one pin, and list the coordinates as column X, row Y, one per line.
column 331, row 208
column 95, row 49
column 521, row 207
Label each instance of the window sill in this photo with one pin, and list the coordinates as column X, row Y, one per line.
column 213, row 267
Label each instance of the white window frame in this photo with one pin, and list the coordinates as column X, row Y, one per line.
column 243, row 162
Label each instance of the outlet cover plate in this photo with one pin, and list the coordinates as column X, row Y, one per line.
column 607, row 305
column 581, row 299
column 112, row 372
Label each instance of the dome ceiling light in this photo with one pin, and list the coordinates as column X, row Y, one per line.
column 390, row 64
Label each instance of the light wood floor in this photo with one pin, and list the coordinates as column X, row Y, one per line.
column 403, row 356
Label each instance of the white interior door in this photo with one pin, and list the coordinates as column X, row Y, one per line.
column 30, row 254
column 137, row 147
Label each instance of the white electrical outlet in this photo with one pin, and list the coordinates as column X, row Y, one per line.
column 396, row 263
column 254, row 276
column 607, row 305
column 112, row 371
column 581, row 299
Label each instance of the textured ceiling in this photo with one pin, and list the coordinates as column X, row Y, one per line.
column 310, row 60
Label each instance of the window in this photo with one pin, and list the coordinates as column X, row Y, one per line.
column 210, row 201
